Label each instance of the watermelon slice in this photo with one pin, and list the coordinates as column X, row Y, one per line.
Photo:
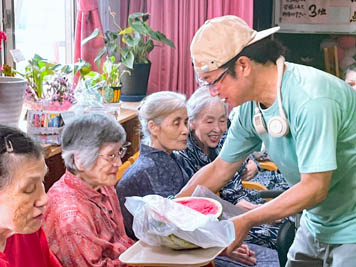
column 203, row 205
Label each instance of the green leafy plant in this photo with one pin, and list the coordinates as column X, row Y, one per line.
column 136, row 40
column 51, row 81
column 100, row 83
column 111, row 72
column 36, row 72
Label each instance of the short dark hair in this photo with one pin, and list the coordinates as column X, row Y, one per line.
column 14, row 142
column 263, row 51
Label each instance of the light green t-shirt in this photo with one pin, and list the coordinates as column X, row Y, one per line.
column 321, row 111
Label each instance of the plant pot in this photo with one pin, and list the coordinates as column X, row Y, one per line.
column 116, row 94
column 134, row 85
column 12, row 92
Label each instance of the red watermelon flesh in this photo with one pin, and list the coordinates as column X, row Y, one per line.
column 204, row 206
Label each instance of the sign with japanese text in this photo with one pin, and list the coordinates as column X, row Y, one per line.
column 318, row 11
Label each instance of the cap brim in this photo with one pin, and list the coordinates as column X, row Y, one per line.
column 263, row 34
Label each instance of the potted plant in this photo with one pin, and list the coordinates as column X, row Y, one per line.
column 11, row 93
column 48, row 84
column 134, row 48
column 112, row 75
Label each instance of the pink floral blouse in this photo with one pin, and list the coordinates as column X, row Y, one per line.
column 84, row 227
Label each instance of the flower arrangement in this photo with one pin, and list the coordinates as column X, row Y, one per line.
column 49, row 84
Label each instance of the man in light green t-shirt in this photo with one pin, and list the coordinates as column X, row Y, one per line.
column 304, row 117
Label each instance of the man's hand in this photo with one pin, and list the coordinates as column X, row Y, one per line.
column 242, row 254
column 251, row 171
column 311, row 190
column 241, row 230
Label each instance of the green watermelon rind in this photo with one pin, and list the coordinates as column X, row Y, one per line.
column 174, row 242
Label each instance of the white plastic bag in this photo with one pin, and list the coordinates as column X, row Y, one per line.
column 156, row 217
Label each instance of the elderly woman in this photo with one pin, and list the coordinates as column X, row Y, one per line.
column 22, row 201
column 163, row 118
column 83, row 220
column 208, row 122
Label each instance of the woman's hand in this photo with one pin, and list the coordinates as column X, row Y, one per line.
column 247, row 205
column 251, row 171
column 242, row 254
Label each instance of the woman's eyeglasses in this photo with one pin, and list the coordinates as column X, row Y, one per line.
column 120, row 154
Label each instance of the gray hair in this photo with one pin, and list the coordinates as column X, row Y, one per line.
column 14, row 143
column 85, row 135
column 157, row 106
column 199, row 100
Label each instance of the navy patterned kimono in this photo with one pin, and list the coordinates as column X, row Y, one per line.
column 193, row 158
column 154, row 172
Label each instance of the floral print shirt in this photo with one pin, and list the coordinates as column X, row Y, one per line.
column 84, row 226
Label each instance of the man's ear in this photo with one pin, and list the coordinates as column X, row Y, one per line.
column 243, row 66
column 153, row 128
column 77, row 163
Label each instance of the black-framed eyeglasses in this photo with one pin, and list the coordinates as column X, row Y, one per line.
column 120, row 154
column 212, row 85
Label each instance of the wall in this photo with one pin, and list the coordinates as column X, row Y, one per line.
column 302, row 48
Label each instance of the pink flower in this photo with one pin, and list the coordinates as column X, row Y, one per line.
column 2, row 38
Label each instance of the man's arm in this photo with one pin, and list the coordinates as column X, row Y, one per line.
column 213, row 176
column 312, row 189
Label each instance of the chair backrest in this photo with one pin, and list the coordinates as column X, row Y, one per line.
column 331, row 60
column 134, row 157
column 122, row 170
column 253, row 185
column 268, row 165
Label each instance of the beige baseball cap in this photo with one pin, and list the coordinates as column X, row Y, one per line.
column 220, row 39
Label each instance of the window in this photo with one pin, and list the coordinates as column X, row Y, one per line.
column 39, row 26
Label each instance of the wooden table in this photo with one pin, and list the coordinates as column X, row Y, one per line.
column 127, row 118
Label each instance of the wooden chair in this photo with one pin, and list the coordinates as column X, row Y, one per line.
column 331, row 60
column 253, row 185
column 122, row 169
column 134, row 157
column 268, row 165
